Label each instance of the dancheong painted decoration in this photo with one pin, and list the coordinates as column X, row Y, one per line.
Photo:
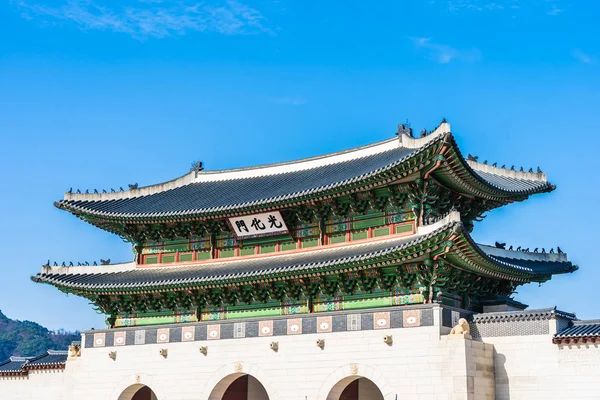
column 380, row 225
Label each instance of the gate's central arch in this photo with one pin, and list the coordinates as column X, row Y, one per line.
column 355, row 388
column 239, row 387
column 138, row 392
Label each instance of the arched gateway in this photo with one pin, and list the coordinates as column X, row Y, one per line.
column 138, row 392
column 355, row 388
column 239, row 387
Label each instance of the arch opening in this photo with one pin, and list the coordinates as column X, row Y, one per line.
column 239, row 387
column 355, row 388
column 138, row 392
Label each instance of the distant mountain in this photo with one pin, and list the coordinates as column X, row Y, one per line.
column 26, row 338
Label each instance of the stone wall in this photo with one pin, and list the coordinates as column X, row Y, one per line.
column 529, row 366
column 532, row 367
column 37, row 385
column 511, row 357
column 417, row 365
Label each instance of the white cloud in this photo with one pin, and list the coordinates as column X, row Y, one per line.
column 479, row 5
column 554, row 10
column 581, row 56
column 489, row 5
column 153, row 18
column 444, row 54
column 294, row 101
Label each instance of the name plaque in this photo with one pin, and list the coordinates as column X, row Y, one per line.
column 258, row 224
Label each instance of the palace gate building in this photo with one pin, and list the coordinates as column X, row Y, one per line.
column 347, row 276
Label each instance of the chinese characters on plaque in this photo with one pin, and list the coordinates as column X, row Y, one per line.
column 258, row 224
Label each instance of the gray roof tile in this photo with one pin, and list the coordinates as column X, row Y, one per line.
column 223, row 195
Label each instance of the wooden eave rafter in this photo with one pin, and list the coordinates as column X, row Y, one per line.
column 576, row 340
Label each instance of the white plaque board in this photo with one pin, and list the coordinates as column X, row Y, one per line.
column 258, row 224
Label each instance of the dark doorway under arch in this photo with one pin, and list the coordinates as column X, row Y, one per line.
column 138, row 392
column 239, row 387
column 355, row 388
column 145, row 393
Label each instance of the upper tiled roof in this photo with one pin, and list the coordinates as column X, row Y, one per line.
column 220, row 194
column 208, row 192
column 579, row 331
column 509, row 183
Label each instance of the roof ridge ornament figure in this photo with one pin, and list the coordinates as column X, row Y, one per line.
column 133, row 186
column 471, row 157
column 404, row 129
column 197, row 167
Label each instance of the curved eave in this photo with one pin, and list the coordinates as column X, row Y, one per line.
column 512, row 265
column 487, row 182
column 438, row 155
column 409, row 250
column 447, row 239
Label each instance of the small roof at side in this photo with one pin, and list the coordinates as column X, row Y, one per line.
column 51, row 359
column 579, row 331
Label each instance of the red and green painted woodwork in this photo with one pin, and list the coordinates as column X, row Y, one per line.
column 446, row 262
column 311, row 224
column 305, row 234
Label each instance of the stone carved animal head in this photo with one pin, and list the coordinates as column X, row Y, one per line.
column 462, row 328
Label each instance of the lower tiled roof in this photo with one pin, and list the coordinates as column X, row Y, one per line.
column 233, row 269
column 130, row 278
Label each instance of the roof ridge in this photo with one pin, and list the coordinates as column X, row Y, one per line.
column 523, row 255
column 532, row 176
column 57, row 352
column 586, row 322
column 541, row 313
column 193, row 177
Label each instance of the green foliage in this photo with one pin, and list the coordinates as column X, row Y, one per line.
column 26, row 338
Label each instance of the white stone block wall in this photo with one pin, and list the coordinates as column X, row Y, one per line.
column 532, row 367
column 419, row 364
column 37, row 385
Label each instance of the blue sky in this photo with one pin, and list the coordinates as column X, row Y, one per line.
column 99, row 94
